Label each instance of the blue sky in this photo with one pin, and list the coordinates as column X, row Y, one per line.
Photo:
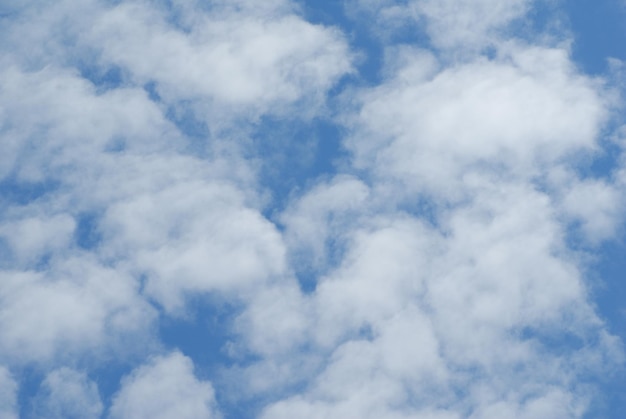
column 342, row 209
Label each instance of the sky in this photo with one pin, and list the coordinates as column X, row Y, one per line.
column 312, row 209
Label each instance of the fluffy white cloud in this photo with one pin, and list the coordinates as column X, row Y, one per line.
column 185, row 224
column 66, row 393
column 595, row 204
column 517, row 115
column 240, row 56
column 56, row 125
column 115, row 153
column 168, row 218
column 74, row 307
column 468, row 23
column 414, row 315
column 487, row 313
column 439, row 282
column 165, row 388
column 194, row 236
column 455, row 293
column 316, row 218
column 32, row 238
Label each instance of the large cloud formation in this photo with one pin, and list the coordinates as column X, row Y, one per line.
column 432, row 275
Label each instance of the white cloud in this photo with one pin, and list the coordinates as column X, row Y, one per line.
column 8, row 394
column 549, row 403
column 517, row 114
column 66, row 393
column 281, row 312
column 74, row 308
column 167, row 214
column 194, row 236
column 186, row 224
column 455, row 293
column 487, row 313
column 468, row 23
column 459, row 26
column 165, row 388
column 315, row 219
column 57, row 125
column 375, row 279
column 443, row 286
column 241, row 56
column 597, row 206
column 32, row 238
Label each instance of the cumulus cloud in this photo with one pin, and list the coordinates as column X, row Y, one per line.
column 456, row 294
column 72, row 308
column 468, row 23
column 432, row 276
column 415, row 317
column 30, row 239
column 240, row 56
column 114, row 155
column 115, row 211
column 191, row 233
column 315, row 219
column 596, row 206
column 165, row 388
column 517, row 114
column 66, row 393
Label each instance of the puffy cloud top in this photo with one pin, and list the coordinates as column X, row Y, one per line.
column 435, row 265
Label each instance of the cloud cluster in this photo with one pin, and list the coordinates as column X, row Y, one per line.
column 456, row 292
column 238, row 57
column 113, row 213
column 164, row 388
column 433, row 276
